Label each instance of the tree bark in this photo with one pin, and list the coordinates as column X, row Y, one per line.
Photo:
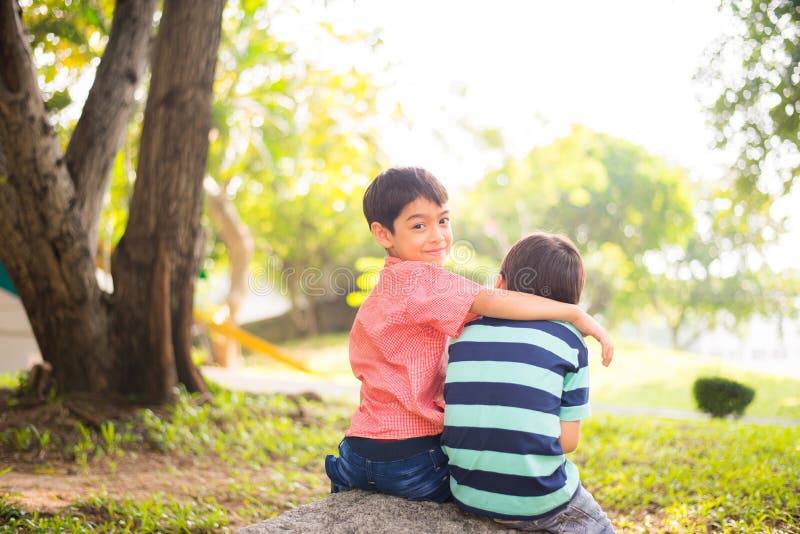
column 239, row 242
column 2, row 164
column 601, row 296
column 675, row 329
column 167, row 198
column 42, row 242
column 99, row 132
column 138, row 339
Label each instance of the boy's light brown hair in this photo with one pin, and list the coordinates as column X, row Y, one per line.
column 545, row 264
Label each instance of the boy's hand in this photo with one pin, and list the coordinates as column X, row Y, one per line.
column 589, row 327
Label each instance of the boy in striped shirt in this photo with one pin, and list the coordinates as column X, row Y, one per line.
column 515, row 393
column 398, row 340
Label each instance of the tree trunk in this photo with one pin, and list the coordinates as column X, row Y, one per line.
column 166, row 205
column 302, row 310
column 43, row 244
column 600, row 297
column 99, row 132
column 675, row 330
column 137, row 340
column 239, row 242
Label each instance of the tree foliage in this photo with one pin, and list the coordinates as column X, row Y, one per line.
column 292, row 142
column 293, row 145
column 754, row 73
column 67, row 40
column 611, row 197
column 688, row 290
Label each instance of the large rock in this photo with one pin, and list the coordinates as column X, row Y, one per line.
column 356, row 511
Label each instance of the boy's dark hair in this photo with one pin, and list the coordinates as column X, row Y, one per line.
column 391, row 190
column 545, row 264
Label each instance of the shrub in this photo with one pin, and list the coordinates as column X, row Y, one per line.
column 720, row 397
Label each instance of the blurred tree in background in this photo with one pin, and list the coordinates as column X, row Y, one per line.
column 294, row 142
column 294, row 145
column 754, row 77
column 653, row 241
column 612, row 198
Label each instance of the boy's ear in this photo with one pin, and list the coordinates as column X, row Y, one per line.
column 382, row 234
column 501, row 282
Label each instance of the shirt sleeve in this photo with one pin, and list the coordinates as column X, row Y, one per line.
column 442, row 299
column 575, row 393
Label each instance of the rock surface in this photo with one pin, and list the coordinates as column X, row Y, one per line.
column 356, row 512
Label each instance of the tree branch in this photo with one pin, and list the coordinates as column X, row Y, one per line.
column 104, row 119
column 694, row 336
column 32, row 155
column 12, row 55
column 237, row 238
column 2, row 163
column 41, row 238
column 16, row 69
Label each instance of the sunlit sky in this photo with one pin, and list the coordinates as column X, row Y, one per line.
column 532, row 68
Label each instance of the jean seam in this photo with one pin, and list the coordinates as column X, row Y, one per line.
column 436, row 465
column 337, row 474
column 581, row 511
column 370, row 474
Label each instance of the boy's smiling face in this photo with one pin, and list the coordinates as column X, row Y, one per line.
column 421, row 232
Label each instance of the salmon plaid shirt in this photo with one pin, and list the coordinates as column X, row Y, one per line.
column 397, row 348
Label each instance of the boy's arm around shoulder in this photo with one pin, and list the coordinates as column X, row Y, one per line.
column 504, row 304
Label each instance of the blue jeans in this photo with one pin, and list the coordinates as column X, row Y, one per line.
column 421, row 477
column 581, row 516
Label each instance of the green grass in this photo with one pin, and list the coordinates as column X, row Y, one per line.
column 159, row 513
column 657, row 475
column 265, row 452
column 641, row 376
column 9, row 380
column 647, row 376
column 652, row 475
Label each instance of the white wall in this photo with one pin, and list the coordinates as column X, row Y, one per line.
column 18, row 349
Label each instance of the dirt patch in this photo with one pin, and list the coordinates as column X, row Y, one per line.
column 51, row 477
column 52, row 486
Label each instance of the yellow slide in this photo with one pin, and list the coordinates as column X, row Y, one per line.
column 254, row 343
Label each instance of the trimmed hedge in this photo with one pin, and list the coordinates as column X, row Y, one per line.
column 721, row 397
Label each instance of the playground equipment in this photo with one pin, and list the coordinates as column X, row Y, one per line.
column 18, row 348
column 246, row 339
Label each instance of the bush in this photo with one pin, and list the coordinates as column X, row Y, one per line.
column 720, row 397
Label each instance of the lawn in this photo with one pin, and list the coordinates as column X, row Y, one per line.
column 204, row 467
column 647, row 376
column 641, row 376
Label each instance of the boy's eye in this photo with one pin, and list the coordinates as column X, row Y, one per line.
column 418, row 226
column 445, row 220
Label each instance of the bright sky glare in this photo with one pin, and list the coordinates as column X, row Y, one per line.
column 532, row 68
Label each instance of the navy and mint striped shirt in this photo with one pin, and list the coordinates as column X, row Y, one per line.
column 509, row 384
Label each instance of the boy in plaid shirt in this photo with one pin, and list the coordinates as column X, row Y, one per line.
column 399, row 336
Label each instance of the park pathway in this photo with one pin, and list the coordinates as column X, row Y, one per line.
column 255, row 380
